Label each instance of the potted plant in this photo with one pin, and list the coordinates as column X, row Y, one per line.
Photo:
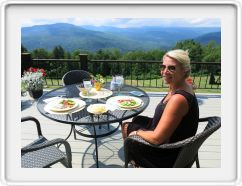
column 98, row 81
column 34, row 80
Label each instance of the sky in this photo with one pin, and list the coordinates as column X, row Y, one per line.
column 128, row 22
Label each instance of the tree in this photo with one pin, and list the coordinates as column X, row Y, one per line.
column 23, row 49
column 67, row 55
column 75, row 54
column 40, row 53
column 211, row 52
column 194, row 48
column 58, row 52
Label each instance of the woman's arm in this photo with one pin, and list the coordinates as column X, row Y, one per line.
column 174, row 111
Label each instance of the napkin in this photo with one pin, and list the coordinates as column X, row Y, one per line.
column 136, row 93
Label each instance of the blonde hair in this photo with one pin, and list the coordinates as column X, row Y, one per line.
column 182, row 57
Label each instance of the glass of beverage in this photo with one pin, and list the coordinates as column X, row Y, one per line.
column 119, row 82
column 87, row 85
column 82, row 89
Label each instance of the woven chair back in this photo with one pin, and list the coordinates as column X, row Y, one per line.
column 75, row 76
column 189, row 152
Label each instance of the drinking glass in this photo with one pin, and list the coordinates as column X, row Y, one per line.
column 87, row 85
column 82, row 89
column 119, row 82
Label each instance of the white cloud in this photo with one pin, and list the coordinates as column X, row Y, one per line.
column 205, row 22
column 128, row 22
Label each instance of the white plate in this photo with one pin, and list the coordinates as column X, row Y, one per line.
column 118, row 99
column 79, row 106
column 56, row 105
column 97, row 108
column 103, row 93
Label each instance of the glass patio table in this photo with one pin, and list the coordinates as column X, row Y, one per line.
column 81, row 117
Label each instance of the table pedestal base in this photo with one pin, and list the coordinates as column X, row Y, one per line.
column 95, row 136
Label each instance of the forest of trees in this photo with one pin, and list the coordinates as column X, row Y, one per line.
column 198, row 53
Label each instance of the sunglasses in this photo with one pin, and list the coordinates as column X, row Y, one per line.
column 170, row 68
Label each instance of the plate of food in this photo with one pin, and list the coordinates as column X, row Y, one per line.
column 94, row 94
column 62, row 105
column 125, row 102
column 97, row 108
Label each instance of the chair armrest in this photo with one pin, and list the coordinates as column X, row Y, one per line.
column 211, row 120
column 42, row 145
column 136, row 138
column 36, row 121
column 204, row 119
column 178, row 144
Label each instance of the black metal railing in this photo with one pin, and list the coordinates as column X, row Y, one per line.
column 206, row 75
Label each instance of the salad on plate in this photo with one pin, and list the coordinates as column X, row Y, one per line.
column 63, row 105
column 128, row 102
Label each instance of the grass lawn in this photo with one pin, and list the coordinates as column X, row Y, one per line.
column 153, row 85
column 214, row 91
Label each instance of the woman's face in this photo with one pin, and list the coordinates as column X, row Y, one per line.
column 171, row 71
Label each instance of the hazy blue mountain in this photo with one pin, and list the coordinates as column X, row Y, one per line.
column 72, row 37
column 153, row 33
column 206, row 38
column 91, row 38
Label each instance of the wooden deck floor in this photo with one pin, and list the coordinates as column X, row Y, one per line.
column 111, row 148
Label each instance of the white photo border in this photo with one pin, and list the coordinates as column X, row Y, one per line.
column 10, row 175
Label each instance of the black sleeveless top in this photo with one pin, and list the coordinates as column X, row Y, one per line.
column 188, row 125
column 150, row 157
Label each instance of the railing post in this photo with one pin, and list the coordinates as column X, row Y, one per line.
column 83, row 61
column 26, row 62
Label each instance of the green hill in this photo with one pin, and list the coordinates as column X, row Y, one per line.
column 90, row 38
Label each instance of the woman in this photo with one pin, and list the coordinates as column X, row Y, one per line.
column 175, row 118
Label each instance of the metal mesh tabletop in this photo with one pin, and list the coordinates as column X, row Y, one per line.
column 83, row 117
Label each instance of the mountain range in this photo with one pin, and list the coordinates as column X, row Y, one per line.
column 91, row 38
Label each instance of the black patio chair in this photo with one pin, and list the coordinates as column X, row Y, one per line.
column 43, row 153
column 188, row 148
column 75, row 76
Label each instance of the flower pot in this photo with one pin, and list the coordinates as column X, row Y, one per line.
column 36, row 93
